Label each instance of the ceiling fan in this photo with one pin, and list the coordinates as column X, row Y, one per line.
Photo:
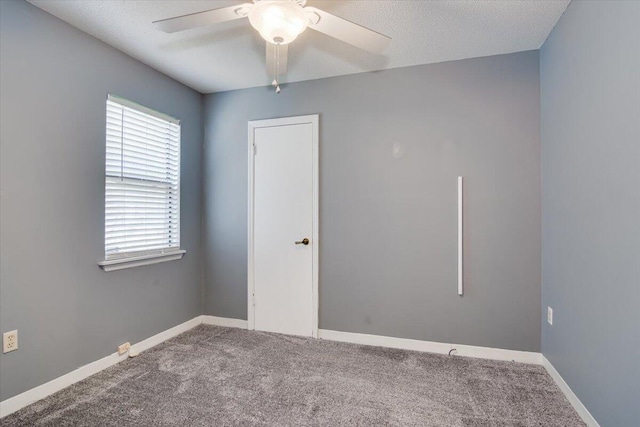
column 279, row 22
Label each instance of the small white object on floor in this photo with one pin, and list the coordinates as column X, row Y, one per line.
column 133, row 352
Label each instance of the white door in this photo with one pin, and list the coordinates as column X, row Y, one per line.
column 283, row 226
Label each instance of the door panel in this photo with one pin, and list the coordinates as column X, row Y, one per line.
column 283, row 214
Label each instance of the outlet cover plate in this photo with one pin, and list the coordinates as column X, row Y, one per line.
column 550, row 315
column 10, row 341
column 123, row 348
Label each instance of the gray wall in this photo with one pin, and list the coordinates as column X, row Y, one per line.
column 388, row 225
column 590, row 74
column 54, row 80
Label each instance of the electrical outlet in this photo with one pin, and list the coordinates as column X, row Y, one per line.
column 123, row 348
column 10, row 341
column 550, row 315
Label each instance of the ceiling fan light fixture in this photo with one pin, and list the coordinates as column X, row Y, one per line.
column 278, row 22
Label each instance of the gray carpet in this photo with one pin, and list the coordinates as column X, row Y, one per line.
column 213, row 376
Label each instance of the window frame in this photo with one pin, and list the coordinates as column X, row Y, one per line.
column 137, row 258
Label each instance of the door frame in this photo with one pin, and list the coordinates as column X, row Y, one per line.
column 315, row 240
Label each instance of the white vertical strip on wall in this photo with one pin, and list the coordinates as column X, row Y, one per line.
column 460, row 277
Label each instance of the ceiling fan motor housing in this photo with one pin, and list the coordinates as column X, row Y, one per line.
column 279, row 21
column 301, row 3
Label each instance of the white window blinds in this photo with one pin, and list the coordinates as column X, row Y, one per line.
column 142, row 182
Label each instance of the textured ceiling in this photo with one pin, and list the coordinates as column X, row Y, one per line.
column 232, row 55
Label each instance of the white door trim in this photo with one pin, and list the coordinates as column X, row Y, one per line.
column 285, row 121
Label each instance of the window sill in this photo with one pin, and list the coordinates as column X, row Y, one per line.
column 120, row 264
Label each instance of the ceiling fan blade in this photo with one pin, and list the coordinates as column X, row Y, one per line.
column 200, row 19
column 274, row 57
column 348, row 32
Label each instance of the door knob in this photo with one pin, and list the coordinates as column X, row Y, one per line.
column 304, row 241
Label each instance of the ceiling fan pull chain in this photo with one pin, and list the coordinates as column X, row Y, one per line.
column 277, row 61
column 274, row 83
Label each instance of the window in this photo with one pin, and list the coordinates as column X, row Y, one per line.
column 142, row 186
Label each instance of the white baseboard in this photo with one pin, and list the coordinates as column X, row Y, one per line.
column 224, row 321
column 571, row 396
column 432, row 347
column 15, row 403
column 169, row 333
